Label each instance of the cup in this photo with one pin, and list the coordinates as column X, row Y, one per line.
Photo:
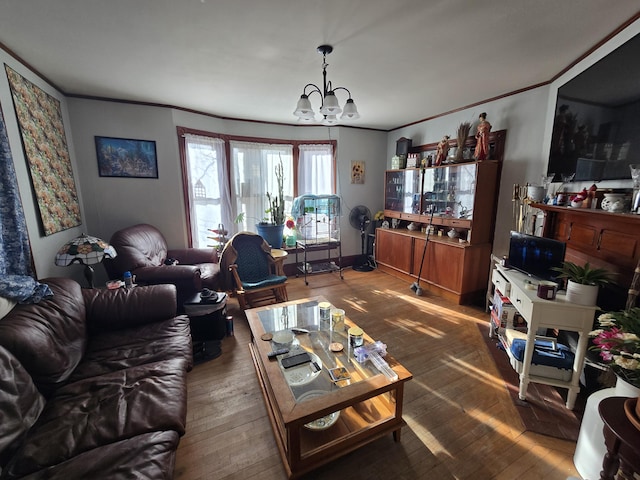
column 337, row 319
column 547, row 290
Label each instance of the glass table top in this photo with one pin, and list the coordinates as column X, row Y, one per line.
column 313, row 379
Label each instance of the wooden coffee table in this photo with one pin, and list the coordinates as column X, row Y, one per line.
column 316, row 420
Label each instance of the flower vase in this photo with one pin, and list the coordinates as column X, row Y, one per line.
column 291, row 240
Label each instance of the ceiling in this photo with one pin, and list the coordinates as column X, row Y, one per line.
column 402, row 60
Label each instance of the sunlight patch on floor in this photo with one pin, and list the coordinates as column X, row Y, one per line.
column 412, row 325
column 428, row 440
column 465, row 368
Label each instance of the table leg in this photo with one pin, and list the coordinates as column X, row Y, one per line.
column 572, row 394
column 609, row 466
column 524, row 384
column 611, row 461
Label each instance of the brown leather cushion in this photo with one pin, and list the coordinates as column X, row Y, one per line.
column 98, row 411
column 112, row 351
column 210, row 275
column 150, row 455
column 138, row 246
column 48, row 338
column 20, row 402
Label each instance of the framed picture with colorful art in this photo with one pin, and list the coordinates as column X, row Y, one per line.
column 125, row 157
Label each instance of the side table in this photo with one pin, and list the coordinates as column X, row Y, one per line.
column 207, row 318
column 621, row 438
column 279, row 256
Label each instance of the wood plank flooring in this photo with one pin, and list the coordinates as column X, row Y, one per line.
column 461, row 423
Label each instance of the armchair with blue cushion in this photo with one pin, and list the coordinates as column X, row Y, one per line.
column 248, row 268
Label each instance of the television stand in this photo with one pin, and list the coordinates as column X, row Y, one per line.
column 556, row 314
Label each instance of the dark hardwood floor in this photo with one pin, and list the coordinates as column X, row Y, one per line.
column 461, row 423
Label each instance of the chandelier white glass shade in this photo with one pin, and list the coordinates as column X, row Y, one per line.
column 330, row 107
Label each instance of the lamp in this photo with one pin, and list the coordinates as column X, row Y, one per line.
column 85, row 250
column 330, row 107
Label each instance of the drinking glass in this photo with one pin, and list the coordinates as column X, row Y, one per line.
column 547, row 179
column 635, row 177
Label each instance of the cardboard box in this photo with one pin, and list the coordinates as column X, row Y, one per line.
column 504, row 309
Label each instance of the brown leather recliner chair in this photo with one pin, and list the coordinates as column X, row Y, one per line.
column 142, row 250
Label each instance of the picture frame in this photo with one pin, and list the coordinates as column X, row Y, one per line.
column 126, row 157
column 357, row 172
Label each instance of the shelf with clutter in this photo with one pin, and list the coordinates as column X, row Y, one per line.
column 455, row 202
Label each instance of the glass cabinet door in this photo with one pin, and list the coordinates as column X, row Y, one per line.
column 402, row 191
column 450, row 190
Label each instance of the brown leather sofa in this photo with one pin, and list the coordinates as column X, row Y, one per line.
column 142, row 250
column 93, row 384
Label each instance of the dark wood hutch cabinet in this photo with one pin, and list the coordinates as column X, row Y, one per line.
column 604, row 239
column 463, row 196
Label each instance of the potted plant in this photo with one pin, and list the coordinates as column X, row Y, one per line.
column 583, row 282
column 272, row 230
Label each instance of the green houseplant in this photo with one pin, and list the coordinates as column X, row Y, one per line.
column 583, row 282
column 276, row 202
column 272, row 230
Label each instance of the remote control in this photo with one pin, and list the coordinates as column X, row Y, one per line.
column 275, row 353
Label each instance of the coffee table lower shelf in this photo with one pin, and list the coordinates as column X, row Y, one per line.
column 367, row 413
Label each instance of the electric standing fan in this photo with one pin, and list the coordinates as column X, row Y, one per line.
column 360, row 218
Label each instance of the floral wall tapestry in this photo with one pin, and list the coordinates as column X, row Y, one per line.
column 45, row 147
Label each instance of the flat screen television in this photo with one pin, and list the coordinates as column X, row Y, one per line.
column 535, row 256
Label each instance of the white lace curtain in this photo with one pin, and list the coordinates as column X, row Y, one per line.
column 253, row 176
column 209, row 196
column 315, row 169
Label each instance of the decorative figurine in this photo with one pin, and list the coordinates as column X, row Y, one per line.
column 442, row 151
column 482, row 137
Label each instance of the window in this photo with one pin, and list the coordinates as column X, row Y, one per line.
column 316, row 172
column 253, row 167
column 207, row 195
column 224, row 176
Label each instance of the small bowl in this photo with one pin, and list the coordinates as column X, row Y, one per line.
column 283, row 337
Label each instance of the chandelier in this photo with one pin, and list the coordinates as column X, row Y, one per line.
column 330, row 107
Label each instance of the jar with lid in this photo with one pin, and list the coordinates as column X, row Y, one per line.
column 356, row 337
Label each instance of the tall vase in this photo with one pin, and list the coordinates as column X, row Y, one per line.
column 590, row 448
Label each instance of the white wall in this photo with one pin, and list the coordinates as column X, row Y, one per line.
column 524, row 117
column 44, row 248
column 114, row 203
column 108, row 204
column 528, row 119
